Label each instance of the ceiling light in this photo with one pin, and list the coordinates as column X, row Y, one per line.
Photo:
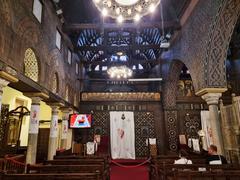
column 104, row 12
column 152, row 8
column 120, row 19
column 121, row 71
column 137, row 17
column 127, row 2
column 128, row 9
column 120, row 53
column 96, row 1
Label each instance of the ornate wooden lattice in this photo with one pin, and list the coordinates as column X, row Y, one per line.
column 192, row 125
column 144, row 128
column 100, row 124
column 31, row 65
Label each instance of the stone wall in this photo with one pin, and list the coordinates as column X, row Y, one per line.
column 21, row 30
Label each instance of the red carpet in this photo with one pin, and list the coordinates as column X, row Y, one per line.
column 130, row 172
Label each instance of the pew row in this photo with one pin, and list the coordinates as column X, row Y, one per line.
column 168, row 171
column 52, row 176
column 83, row 168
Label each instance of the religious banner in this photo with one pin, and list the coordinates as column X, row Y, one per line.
column 206, row 127
column 54, row 126
column 64, row 129
column 34, row 119
column 122, row 133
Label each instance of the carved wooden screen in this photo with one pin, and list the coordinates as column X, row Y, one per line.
column 144, row 128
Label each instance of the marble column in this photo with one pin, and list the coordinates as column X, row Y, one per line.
column 33, row 131
column 53, row 136
column 3, row 83
column 212, row 100
column 64, row 131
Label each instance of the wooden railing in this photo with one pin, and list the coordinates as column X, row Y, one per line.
column 14, row 164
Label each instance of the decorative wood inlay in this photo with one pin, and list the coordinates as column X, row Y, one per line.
column 121, row 96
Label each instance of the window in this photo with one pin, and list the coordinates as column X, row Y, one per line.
column 69, row 54
column 104, row 68
column 37, row 10
column 77, row 68
column 31, row 65
column 58, row 40
column 97, row 68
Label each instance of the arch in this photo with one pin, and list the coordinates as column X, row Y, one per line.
column 28, row 30
column 31, row 65
column 170, row 85
column 218, row 43
column 55, row 83
column 56, row 62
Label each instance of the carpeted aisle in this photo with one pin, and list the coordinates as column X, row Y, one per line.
column 129, row 173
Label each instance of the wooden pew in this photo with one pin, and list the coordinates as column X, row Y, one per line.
column 74, row 161
column 84, row 160
column 208, row 175
column 86, row 168
column 166, row 171
column 52, row 176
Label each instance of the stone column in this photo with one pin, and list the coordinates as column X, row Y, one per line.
column 3, row 83
column 53, row 136
column 64, row 132
column 33, row 131
column 212, row 101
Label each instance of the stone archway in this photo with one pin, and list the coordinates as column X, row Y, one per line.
column 169, row 104
column 218, row 43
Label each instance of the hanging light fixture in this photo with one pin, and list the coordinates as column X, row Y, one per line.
column 119, row 68
column 126, row 9
column 119, row 72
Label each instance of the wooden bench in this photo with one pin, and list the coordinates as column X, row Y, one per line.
column 52, row 176
column 76, row 159
column 208, row 175
column 86, row 168
column 166, row 171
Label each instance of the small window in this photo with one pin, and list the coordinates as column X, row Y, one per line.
column 140, row 66
column 58, row 40
column 77, row 68
column 104, row 68
column 37, row 10
column 69, row 57
column 97, row 68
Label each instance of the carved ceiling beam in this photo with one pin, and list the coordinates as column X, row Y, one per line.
column 132, row 62
column 117, row 48
column 78, row 27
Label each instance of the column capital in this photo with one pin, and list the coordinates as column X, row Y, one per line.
column 8, row 77
column 3, row 82
column 55, row 104
column 36, row 100
column 65, row 109
column 212, row 98
column 210, row 90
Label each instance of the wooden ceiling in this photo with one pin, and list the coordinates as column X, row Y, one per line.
column 97, row 41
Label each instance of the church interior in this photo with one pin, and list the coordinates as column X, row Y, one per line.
column 119, row 89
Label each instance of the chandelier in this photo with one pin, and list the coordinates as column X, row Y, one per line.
column 120, row 72
column 126, row 9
